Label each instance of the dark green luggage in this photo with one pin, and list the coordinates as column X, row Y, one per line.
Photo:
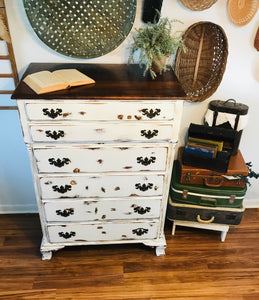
column 202, row 195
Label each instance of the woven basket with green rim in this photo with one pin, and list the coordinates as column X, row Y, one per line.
column 81, row 29
column 200, row 69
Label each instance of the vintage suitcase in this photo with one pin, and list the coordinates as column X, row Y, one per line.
column 234, row 177
column 206, row 215
column 202, row 195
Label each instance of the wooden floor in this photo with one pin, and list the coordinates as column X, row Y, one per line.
column 196, row 266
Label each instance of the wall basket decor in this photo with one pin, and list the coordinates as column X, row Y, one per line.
column 81, row 29
column 241, row 12
column 200, row 69
column 198, row 4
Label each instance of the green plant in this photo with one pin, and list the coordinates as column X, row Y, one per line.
column 155, row 41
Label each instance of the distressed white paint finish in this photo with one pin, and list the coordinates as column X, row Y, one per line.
column 100, row 210
column 101, row 185
column 83, row 158
column 102, row 132
column 70, row 233
column 102, row 181
column 100, row 110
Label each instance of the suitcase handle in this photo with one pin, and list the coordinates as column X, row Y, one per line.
column 205, row 221
column 212, row 184
column 208, row 201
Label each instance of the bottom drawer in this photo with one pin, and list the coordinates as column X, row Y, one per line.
column 117, row 231
column 196, row 213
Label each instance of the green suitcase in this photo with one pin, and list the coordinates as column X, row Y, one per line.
column 202, row 195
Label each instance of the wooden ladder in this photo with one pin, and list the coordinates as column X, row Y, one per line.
column 5, row 36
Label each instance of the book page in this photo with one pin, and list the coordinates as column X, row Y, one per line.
column 44, row 81
column 73, row 77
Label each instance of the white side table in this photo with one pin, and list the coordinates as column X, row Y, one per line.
column 217, row 227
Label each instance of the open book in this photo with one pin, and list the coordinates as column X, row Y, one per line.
column 46, row 81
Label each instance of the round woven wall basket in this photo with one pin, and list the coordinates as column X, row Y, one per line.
column 198, row 4
column 241, row 12
column 81, row 29
column 200, row 69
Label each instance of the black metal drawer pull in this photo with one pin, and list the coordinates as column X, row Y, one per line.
column 55, row 135
column 151, row 113
column 67, row 235
column 52, row 113
column 58, row 162
column 143, row 187
column 140, row 231
column 145, row 161
column 149, row 134
column 141, row 210
column 65, row 212
column 62, row 189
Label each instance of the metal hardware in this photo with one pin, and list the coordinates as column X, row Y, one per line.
column 65, row 213
column 151, row 113
column 188, row 176
column 52, row 113
column 146, row 161
column 67, row 235
column 185, row 194
column 59, row 163
column 149, row 134
column 144, row 187
column 140, row 231
column 141, row 211
column 55, row 135
column 232, row 199
column 62, row 189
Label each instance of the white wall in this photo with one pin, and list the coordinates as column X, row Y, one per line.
column 240, row 81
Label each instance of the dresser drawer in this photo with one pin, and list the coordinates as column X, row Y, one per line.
column 101, row 186
column 101, row 210
column 102, row 132
column 101, row 158
column 116, row 231
column 102, row 110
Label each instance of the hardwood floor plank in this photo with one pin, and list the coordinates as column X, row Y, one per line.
column 197, row 265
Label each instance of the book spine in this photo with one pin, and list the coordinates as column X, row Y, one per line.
column 200, row 151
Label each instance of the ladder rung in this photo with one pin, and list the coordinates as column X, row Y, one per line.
column 6, row 75
column 4, row 57
column 8, row 107
column 6, row 92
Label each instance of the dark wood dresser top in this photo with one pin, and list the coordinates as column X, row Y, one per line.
column 113, row 81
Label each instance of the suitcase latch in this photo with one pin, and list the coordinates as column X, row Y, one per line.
column 185, row 194
column 188, row 176
column 232, row 199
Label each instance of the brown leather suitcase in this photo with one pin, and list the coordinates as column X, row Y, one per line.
column 234, row 177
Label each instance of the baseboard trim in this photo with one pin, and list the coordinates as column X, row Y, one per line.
column 18, row 209
column 251, row 203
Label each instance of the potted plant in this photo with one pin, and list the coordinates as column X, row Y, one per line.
column 156, row 45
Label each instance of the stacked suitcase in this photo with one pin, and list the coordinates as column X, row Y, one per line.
column 210, row 187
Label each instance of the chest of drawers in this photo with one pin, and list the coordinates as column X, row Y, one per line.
column 102, row 157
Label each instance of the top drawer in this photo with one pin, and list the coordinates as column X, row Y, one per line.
column 101, row 110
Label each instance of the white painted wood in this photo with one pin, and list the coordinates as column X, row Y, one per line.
column 100, row 210
column 102, row 132
column 107, row 185
column 83, row 158
column 101, row 110
column 70, row 233
column 98, row 182
column 212, row 226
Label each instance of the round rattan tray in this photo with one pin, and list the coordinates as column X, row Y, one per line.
column 81, row 29
column 200, row 69
column 241, row 12
column 198, row 4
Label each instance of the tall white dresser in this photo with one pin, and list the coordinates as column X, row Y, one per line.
column 102, row 155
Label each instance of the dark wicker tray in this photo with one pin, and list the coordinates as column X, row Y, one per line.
column 200, row 69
